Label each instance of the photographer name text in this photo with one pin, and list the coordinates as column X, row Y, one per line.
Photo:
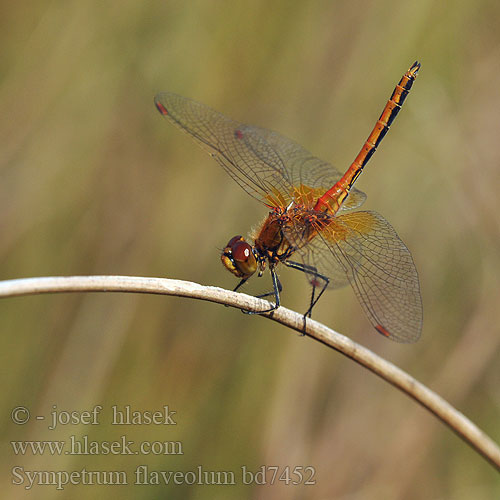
column 120, row 415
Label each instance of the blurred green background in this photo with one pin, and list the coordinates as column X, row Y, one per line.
column 94, row 181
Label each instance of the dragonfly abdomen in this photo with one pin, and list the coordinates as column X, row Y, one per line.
column 336, row 195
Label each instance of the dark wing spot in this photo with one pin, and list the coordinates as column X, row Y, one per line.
column 238, row 134
column 161, row 108
column 382, row 330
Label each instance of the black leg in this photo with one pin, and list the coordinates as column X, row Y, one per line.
column 261, row 296
column 276, row 292
column 313, row 292
column 315, row 300
column 278, row 284
column 313, row 272
column 240, row 284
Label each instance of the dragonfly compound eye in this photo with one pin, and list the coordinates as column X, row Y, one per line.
column 238, row 257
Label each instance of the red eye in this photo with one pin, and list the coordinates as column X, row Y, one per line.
column 238, row 257
column 234, row 240
column 241, row 251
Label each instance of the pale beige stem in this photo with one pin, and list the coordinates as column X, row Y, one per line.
column 467, row 430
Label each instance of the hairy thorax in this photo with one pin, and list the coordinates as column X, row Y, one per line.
column 285, row 231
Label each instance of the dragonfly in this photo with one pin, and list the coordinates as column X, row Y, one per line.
column 311, row 225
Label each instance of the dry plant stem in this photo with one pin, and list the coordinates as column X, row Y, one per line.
column 389, row 372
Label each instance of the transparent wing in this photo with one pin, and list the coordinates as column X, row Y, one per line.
column 267, row 165
column 309, row 175
column 362, row 249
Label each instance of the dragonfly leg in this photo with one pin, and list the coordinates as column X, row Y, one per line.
column 240, row 284
column 312, row 271
column 261, row 296
column 276, row 292
column 276, row 284
column 277, row 288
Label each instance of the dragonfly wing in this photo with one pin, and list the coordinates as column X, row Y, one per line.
column 315, row 253
column 223, row 138
column 267, row 165
column 310, row 175
column 363, row 249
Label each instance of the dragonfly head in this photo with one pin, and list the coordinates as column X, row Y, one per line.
column 239, row 257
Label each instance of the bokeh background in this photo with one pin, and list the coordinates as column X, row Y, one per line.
column 94, row 181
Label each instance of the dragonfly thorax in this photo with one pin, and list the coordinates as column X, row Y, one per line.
column 270, row 242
